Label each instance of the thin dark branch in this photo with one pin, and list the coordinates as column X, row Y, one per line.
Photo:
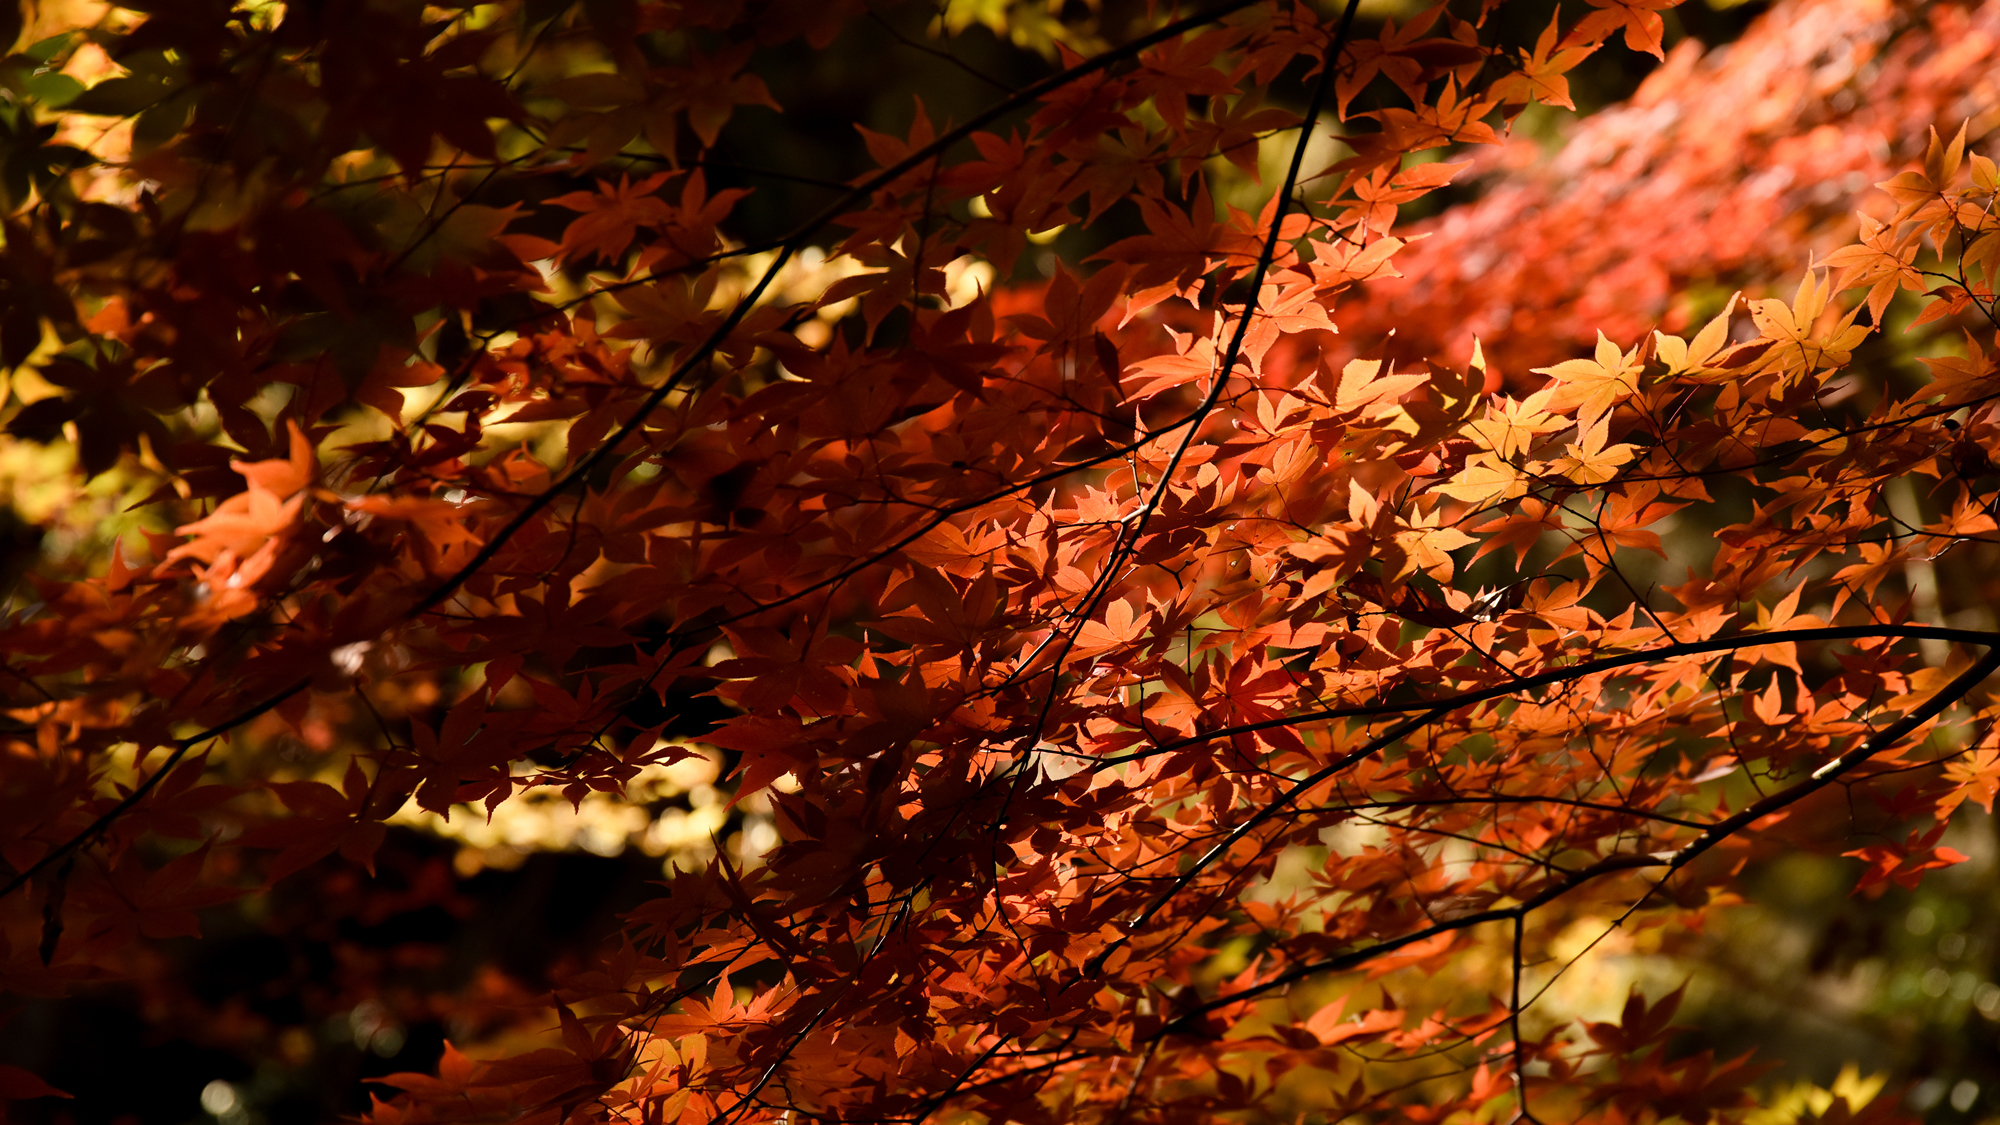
column 1716, row 833
column 1557, row 676
column 792, row 244
column 181, row 747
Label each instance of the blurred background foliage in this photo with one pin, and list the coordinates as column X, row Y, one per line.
column 293, row 1000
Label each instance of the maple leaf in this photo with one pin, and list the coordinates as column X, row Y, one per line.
column 1639, row 1024
column 1423, row 541
column 1639, row 19
column 1589, row 461
column 1801, row 345
column 1181, row 246
column 1486, row 479
column 1385, row 53
column 1510, row 427
column 1369, row 385
column 710, row 87
column 1540, row 78
column 1692, row 357
column 1881, row 261
column 1026, row 711
column 1186, row 68
column 1904, row 863
column 1959, row 379
column 241, row 540
column 611, row 216
column 1327, row 1026
column 328, row 820
column 1593, row 387
column 1450, row 119
column 1976, row 775
column 1119, row 626
column 440, row 527
column 1380, row 193
column 1233, row 128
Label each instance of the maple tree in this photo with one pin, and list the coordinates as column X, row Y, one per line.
column 1182, row 678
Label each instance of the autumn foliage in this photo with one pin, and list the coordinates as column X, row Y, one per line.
column 1193, row 676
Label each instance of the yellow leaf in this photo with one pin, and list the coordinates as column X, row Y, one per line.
column 1683, row 357
column 1510, row 428
column 1594, row 386
column 1486, row 479
column 1363, row 383
column 1941, row 160
column 1800, row 347
column 1590, row 461
column 1424, row 544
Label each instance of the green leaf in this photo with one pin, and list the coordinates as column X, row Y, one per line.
column 120, row 97
column 53, row 89
column 45, row 49
column 157, row 125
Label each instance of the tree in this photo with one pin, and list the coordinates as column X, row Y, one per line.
column 1143, row 687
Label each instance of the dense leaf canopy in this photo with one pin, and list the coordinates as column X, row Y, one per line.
column 1128, row 563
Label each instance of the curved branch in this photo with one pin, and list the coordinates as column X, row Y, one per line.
column 181, row 747
column 1673, row 861
column 1445, row 707
column 792, row 244
column 608, row 446
column 1558, row 676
